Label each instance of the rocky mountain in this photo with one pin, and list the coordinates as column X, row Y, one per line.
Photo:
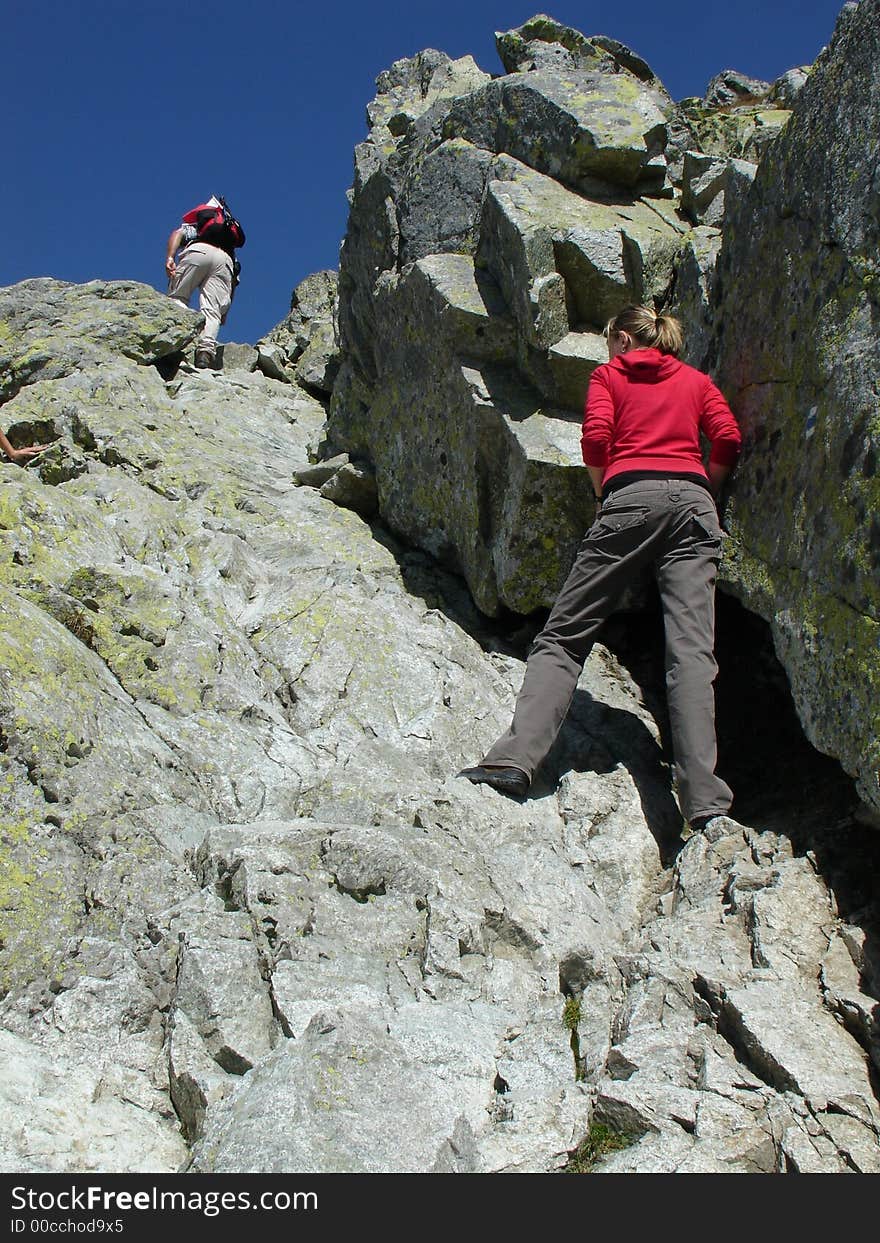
column 253, row 621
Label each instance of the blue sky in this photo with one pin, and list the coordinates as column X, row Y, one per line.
column 119, row 116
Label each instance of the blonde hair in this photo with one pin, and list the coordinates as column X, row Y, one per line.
column 648, row 329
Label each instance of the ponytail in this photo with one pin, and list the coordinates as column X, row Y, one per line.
column 648, row 329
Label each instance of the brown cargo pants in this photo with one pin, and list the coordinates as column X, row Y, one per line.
column 672, row 526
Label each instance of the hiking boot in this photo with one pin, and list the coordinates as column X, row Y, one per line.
column 510, row 781
column 713, row 828
column 204, row 357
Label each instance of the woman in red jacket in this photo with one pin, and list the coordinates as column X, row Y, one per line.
column 645, row 412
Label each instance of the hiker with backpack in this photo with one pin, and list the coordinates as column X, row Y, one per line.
column 201, row 255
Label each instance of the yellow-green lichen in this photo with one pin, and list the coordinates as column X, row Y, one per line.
column 39, row 911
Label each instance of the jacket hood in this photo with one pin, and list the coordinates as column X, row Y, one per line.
column 646, row 366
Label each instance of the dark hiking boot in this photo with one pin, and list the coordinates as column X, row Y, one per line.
column 204, row 357
column 510, row 781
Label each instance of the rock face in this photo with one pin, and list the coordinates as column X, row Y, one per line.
column 246, row 908
column 799, row 354
column 496, row 224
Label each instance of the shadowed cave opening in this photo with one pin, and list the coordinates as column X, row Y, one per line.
column 780, row 781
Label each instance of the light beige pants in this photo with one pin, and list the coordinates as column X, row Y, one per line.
column 208, row 269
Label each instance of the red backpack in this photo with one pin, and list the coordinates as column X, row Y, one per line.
column 216, row 225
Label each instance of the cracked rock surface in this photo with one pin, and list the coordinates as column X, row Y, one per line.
column 251, row 920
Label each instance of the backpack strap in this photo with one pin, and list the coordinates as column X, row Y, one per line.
column 233, row 225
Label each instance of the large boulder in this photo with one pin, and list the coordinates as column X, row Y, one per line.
column 544, row 41
column 495, row 226
column 579, row 127
column 412, row 86
column 732, row 88
column 742, row 127
column 799, row 353
column 101, row 319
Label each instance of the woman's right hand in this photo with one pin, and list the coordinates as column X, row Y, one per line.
column 21, row 456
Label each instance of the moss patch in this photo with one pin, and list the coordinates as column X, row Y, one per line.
column 598, row 1142
column 571, row 1017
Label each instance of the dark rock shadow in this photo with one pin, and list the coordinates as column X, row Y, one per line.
column 512, row 392
column 169, row 365
column 32, row 432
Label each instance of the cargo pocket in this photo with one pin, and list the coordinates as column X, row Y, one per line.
column 616, row 534
column 702, row 537
column 709, row 526
column 615, row 522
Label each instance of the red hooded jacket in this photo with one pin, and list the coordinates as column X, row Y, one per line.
column 645, row 411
